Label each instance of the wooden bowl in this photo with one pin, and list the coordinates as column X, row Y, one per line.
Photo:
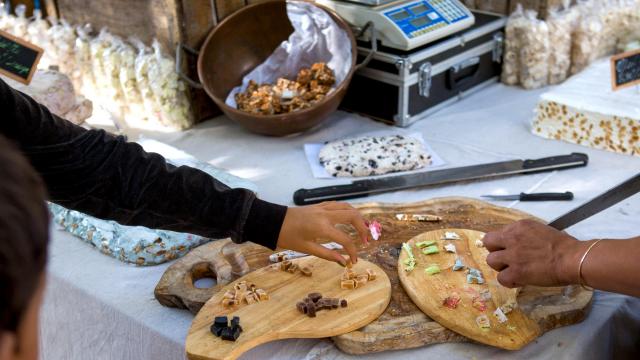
column 245, row 40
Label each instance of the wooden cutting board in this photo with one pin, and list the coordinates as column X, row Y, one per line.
column 221, row 260
column 402, row 325
column 278, row 318
column 428, row 292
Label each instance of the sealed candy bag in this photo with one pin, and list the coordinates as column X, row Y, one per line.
column 144, row 60
column 511, row 59
column 6, row 19
column 534, row 55
column 615, row 23
column 134, row 109
column 586, row 38
column 38, row 33
column 63, row 40
column 97, row 47
column 623, row 20
column 629, row 41
column 53, row 32
column 86, row 79
column 561, row 24
column 20, row 22
column 170, row 92
column 111, row 64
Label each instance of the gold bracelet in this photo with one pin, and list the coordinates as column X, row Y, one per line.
column 582, row 284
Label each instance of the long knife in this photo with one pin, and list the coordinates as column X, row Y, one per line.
column 362, row 188
column 597, row 204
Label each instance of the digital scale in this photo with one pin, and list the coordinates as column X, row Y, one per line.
column 404, row 24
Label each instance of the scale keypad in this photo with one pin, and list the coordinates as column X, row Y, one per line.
column 450, row 11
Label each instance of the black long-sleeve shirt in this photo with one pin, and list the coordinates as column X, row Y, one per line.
column 103, row 175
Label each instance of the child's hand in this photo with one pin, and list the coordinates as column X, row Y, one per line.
column 303, row 227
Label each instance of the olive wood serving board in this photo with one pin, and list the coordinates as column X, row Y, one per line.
column 402, row 325
column 278, row 317
column 428, row 291
column 221, row 260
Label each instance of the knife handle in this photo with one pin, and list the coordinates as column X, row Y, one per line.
column 569, row 161
column 328, row 193
column 546, row 196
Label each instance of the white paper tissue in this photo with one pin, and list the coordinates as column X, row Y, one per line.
column 316, row 38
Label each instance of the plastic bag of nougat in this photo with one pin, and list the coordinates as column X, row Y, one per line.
column 111, row 63
column 63, row 40
column 534, row 53
column 561, row 24
column 145, row 59
column 511, row 59
column 53, row 33
column 134, row 109
column 586, row 37
column 170, row 92
column 97, row 47
column 608, row 12
column 20, row 22
column 38, row 34
column 82, row 50
column 628, row 24
column 6, row 19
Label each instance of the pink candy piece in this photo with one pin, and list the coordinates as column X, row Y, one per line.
column 376, row 229
column 452, row 301
column 479, row 303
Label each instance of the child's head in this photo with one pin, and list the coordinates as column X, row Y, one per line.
column 23, row 253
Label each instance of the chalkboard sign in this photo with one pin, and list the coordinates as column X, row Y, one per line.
column 18, row 58
column 625, row 69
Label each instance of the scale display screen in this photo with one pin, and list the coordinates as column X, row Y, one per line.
column 420, row 22
column 401, row 15
column 419, row 9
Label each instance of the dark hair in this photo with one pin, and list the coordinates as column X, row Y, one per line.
column 24, row 234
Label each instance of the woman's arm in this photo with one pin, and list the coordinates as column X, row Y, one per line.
column 530, row 253
column 105, row 176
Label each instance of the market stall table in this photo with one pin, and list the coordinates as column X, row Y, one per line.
column 97, row 307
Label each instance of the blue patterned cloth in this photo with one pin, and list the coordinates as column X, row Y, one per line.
column 136, row 244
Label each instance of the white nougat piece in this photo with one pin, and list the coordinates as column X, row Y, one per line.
column 373, row 155
column 585, row 110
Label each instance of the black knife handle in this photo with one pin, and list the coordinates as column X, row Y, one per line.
column 547, row 196
column 328, row 193
column 570, row 161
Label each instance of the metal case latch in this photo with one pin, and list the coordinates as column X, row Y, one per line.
column 424, row 79
column 498, row 46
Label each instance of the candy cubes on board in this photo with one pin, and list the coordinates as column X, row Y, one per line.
column 221, row 328
column 293, row 268
column 314, row 302
column 351, row 280
column 243, row 292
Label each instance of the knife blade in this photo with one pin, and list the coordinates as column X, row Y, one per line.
column 552, row 196
column 362, row 188
column 603, row 201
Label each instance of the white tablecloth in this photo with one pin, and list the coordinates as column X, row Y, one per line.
column 99, row 308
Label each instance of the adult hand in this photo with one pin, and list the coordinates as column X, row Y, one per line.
column 303, row 227
column 530, row 253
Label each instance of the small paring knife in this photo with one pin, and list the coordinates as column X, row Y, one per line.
column 555, row 196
